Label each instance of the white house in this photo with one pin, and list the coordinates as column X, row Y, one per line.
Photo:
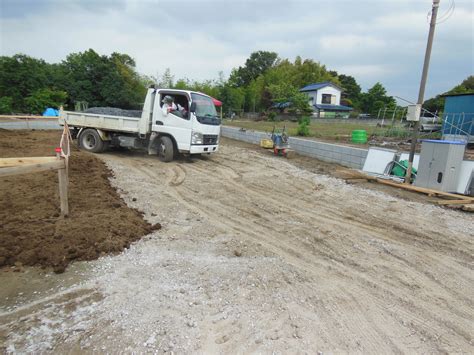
column 325, row 98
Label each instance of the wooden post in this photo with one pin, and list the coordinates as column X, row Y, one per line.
column 63, row 191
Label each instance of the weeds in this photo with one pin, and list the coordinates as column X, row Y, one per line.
column 303, row 126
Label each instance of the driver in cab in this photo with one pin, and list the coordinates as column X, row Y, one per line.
column 170, row 106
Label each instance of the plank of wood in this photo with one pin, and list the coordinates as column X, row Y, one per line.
column 424, row 190
column 454, row 202
column 468, row 208
column 26, row 116
column 7, row 162
column 32, row 168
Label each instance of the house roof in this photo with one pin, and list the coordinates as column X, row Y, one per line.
column 332, row 107
column 317, row 86
column 463, row 94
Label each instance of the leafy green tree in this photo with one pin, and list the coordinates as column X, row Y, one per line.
column 375, row 99
column 257, row 64
column 468, row 83
column 102, row 80
column 351, row 89
column 20, row 75
column 232, row 98
column 166, row 80
column 6, row 105
column 85, row 72
column 40, row 99
column 436, row 104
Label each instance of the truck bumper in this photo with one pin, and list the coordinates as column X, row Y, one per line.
column 198, row 149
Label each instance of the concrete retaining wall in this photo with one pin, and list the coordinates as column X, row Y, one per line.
column 332, row 153
column 31, row 124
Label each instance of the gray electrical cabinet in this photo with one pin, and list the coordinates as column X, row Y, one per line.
column 440, row 164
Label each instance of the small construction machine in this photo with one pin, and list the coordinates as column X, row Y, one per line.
column 280, row 142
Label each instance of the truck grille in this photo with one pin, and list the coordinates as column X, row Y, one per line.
column 209, row 139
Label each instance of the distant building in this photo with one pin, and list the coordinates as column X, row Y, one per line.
column 458, row 117
column 325, row 98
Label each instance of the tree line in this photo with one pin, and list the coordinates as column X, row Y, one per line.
column 30, row 85
column 265, row 79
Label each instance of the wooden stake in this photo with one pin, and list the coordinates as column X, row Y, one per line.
column 63, row 191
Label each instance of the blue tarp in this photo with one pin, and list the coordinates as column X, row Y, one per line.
column 51, row 112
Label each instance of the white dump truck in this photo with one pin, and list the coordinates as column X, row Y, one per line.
column 194, row 128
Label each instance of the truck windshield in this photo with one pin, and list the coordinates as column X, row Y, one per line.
column 205, row 110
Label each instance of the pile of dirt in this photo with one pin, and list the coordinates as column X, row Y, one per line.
column 32, row 231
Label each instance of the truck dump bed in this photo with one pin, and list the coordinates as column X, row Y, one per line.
column 103, row 122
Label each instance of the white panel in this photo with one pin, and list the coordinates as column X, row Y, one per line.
column 413, row 112
column 378, row 159
column 328, row 90
column 467, row 167
column 416, row 159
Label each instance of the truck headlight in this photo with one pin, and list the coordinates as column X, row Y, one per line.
column 196, row 138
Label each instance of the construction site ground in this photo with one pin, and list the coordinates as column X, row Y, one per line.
column 256, row 254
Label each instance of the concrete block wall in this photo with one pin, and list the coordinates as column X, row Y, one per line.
column 333, row 153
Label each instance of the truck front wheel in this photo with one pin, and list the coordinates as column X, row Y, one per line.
column 90, row 141
column 165, row 149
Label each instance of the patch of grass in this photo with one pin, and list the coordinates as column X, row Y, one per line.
column 323, row 130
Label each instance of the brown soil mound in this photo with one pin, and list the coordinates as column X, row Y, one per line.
column 31, row 230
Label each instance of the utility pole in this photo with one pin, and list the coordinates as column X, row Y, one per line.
column 421, row 92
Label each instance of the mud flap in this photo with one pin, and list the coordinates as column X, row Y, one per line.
column 153, row 144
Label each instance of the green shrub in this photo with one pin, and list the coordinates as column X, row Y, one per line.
column 271, row 117
column 303, row 126
column 6, row 105
column 39, row 100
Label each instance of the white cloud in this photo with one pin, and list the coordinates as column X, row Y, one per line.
column 371, row 40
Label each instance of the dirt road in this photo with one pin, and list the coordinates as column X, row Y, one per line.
column 258, row 255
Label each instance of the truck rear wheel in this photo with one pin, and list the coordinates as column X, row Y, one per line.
column 165, row 149
column 90, row 141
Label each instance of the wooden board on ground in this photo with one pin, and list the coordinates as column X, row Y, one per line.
column 355, row 176
column 468, row 208
column 32, row 168
column 424, row 190
column 7, row 162
column 455, row 202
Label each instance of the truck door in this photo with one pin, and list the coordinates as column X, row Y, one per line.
column 178, row 122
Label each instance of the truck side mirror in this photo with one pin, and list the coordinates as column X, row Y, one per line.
column 193, row 107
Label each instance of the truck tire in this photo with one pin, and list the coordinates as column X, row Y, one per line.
column 90, row 141
column 165, row 149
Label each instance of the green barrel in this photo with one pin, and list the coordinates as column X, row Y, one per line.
column 359, row 136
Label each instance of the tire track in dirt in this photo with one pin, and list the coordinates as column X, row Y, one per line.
column 290, row 254
column 322, row 243
column 459, row 331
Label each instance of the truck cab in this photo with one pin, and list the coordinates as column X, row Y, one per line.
column 195, row 129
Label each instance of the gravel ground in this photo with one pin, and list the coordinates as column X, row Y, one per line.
column 258, row 255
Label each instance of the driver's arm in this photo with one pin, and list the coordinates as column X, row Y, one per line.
column 165, row 110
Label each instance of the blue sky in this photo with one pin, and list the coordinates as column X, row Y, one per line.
column 372, row 40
